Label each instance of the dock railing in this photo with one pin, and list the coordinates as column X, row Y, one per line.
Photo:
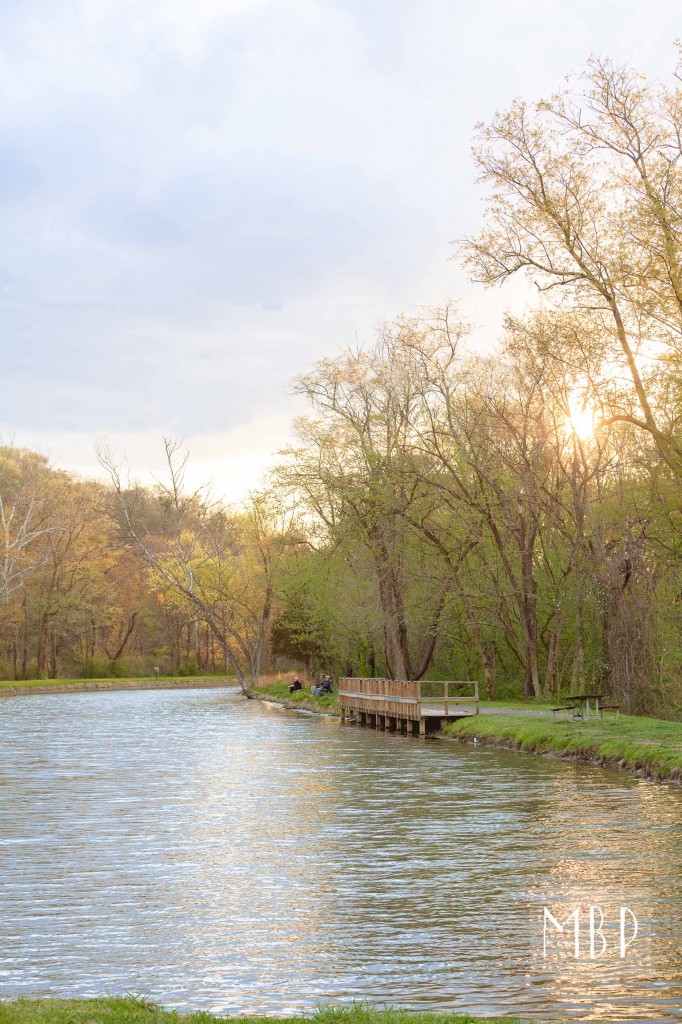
column 409, row 700
column 380, row 697
column 446, row 694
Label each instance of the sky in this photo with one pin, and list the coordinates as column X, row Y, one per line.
column 200, row 198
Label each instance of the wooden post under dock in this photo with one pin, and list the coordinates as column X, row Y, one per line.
column 412, row 708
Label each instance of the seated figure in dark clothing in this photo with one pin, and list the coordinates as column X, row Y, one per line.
column 296, row 685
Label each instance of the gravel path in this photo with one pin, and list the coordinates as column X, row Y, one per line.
column 530, row 712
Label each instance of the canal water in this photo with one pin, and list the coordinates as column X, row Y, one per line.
column 211, row 852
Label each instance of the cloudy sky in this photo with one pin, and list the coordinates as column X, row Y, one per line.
column 198, row 198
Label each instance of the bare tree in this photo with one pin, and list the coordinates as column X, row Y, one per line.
column 355, row 471
column 217, row 564
column 586, row 200
column 25, row 519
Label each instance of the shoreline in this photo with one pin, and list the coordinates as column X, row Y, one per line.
column 88, row 685
column 501, row 731
column 465, row 732
column 295, row 705
column 589, row 759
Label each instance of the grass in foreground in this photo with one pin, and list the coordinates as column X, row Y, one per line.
column 648, row 744
column 128, row 1010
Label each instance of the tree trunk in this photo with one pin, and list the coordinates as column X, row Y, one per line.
column 126, row 637
column 578, row 670
column 488, row 676
column 553, row 657
column 530, row 621
column 24, row 642
column 483, row 656
column 395, row 630
column 196, row 639
column 43, row 646
column 52, row 672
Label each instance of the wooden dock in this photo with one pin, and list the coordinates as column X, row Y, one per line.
column 415, row 708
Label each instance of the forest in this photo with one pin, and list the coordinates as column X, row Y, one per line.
column 510, row 514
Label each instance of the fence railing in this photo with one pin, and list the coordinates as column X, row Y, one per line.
column 445, row 693
column 413, row 700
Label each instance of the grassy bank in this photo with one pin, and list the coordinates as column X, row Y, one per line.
column 648, row 746
column 136, row 1011
column 11, row 686
column 278, row 690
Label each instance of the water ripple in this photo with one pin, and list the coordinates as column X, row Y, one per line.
column 210, row 852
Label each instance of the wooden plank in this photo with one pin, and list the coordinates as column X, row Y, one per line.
column 400, row 699
column 451, row 699
column 382, row 697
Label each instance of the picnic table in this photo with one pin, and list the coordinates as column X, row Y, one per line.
column 579, row 706
column 581, row 701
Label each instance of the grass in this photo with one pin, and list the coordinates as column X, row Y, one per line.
column 279, row 688
column 32, row 684
column 129, row 1010
column 650, row 745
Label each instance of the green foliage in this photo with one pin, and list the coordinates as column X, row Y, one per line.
column 190, row 668
column 299, row 633
column 102, row 668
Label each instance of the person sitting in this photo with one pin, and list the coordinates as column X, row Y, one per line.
column 326, row 686
column 296, row 685
column 317, row 687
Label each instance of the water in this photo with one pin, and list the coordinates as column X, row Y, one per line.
column 211, row 852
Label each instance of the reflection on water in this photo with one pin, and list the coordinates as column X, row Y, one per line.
column 211, row 852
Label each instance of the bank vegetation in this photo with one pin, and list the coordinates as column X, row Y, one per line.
column 129, row 1010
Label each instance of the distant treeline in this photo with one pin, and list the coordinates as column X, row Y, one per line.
column 76, row 599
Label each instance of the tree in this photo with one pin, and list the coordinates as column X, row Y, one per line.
column 218, row 565
column 586, row 201
column 24, row 517
column 355, row 472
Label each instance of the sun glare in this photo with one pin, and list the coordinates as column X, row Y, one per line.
column 582, row 419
